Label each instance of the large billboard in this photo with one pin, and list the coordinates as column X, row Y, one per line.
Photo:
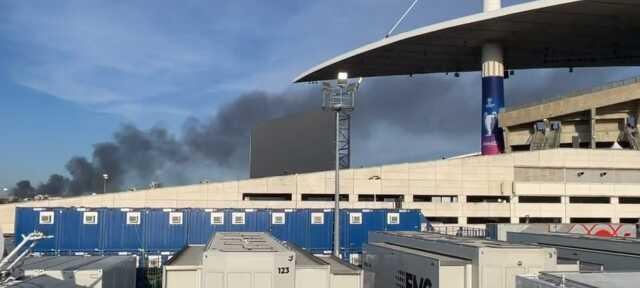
column 294, row 144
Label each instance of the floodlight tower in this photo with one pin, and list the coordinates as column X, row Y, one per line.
column 105, row 176
column 341, row 100
column 492, row 90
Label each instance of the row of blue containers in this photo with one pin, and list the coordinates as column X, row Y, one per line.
column 114, row 230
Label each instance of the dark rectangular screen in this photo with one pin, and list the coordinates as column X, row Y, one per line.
column 299, row 143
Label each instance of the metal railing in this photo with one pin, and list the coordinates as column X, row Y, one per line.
column 460, row 231
column 575, row 93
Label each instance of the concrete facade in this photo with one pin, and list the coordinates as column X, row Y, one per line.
column 563, row 184
column 595, row 117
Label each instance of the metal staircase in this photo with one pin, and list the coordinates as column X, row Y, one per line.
column 546, row 135
column 631, row 133
column 632, row 136
column 554, row 131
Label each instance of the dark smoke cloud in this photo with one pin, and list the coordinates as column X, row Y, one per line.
column 57, row 185
column 221, row 137
column 421, row 107
column 23, row 189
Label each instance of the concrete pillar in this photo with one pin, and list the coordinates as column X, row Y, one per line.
column 565, row 202
column 615, row 200
column 505, row 137
column 514, row 203
column 492, row 98
column 592, row 127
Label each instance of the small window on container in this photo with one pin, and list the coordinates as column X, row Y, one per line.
column 355, row 218
column 133, row 218
column 278, row 218
column 154, row 261
column 237, row 218
column 393, row 218
column 46, row 217
column 217, row 218
column 175, row 218
column 90, row 218
column 317, row 218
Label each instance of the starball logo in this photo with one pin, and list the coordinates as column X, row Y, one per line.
column 408, row 280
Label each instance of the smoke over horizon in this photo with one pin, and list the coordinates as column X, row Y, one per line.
column 424, row 110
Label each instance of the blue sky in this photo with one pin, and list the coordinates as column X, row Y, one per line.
column 72, row 72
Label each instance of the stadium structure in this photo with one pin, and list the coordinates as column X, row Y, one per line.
column 570, row 160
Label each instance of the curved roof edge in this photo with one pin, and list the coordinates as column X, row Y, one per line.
column 509, row 10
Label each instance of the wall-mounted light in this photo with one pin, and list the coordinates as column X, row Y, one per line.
column 602, row 174
column 580, row 173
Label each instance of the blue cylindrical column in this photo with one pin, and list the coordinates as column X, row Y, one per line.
column 492, row 99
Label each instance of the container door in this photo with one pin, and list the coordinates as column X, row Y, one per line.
column 165, row 229
column 319, row 238
column 81, row 230
column 283, row 224
column 199, row 227
column 123, row 230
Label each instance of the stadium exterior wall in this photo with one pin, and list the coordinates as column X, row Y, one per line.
column 457, row 179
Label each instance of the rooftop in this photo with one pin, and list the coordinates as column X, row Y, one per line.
column 536, row 34
column 73, row 263
column 245, row 242
column 189, row 256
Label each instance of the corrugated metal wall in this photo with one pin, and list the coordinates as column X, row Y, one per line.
column 163, row 232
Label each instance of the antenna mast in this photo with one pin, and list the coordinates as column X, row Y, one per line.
column 401, row 18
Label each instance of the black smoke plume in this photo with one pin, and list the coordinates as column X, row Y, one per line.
column 440, row 107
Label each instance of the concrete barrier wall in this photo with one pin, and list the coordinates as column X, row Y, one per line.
column 477, row 175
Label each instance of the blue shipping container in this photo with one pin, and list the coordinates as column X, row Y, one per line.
column 314, row 230
column 123, row 230
column 403, row 220
column 109, row 230
column 165, row 229
column 355, row 225
column 283, row 225
column 81, row 228
column 45, row 220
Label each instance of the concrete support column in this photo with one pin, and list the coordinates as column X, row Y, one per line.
column 592, row 127
column 615, row 200
column 565, row 203
column 492, row 98
column 513, row 206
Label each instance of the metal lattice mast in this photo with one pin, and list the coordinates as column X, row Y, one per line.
column 340, row 99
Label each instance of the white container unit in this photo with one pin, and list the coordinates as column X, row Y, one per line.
column 580, row 280
column 239, row 260
column 247, row 260
column 184, row 269
column 494, row 264
column 324, row 271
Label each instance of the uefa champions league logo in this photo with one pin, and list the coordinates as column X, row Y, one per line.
column 490, row 119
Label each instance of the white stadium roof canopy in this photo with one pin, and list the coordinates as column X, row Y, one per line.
column 537, row 34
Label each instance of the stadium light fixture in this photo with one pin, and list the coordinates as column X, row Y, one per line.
column 339, row 99
column 106, row 178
